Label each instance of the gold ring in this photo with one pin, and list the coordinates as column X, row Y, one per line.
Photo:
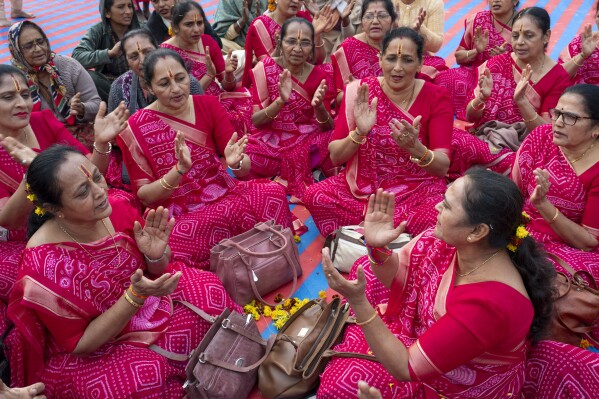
column 330, row 275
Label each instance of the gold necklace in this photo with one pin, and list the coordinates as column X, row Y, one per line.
column 86, row 251
column 481, row 265
column 402, row 103
column 573, row 161
column 540, row 70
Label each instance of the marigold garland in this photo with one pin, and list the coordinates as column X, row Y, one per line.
column 272, row 5
column 39, row 211
column 284, row 309
column 520, row 234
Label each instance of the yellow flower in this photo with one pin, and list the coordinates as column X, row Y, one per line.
column 31, row 197
column 170, row 31
column 39, row 211
column 322, row 294
column 271, row 5
column 287, row 303
column 521, row 232
column 267, row 311
column 297, row 238
column 512, row 247
column 584, row 344
column 526, row 217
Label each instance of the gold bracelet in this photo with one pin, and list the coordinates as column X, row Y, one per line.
column 576, row 63
column 165, row 184
column 467, row 55
column 325, row 121
column 530, row 120
column 554, row 218
column 135, row 294
column 369, row 320
column 356, row 141
column 230, row 81
column 429, row 162
column 320, row 45
column 131, row 301
column 419, row 159
column 268, row 116
column 107, row 152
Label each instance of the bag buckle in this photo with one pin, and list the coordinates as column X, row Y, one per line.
column 202, row 358
column 226, row 323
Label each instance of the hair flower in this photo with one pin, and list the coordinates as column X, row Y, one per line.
column 272, row 5
column 520, row 234
column 39, row 211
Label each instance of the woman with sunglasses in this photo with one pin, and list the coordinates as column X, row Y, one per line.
column 557, row 170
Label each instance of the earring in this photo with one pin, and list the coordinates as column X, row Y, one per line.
column 469, row 239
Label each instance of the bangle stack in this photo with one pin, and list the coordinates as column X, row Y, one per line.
column 359, row 135
column 480, row 108
column 425, row 160
column 107, row 152
column 582, row 60
column 238, row 167
column 165, row 184
column 135, row 294
column 326, row 120
column 131, row 301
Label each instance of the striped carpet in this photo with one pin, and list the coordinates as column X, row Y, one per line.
column 65, row 22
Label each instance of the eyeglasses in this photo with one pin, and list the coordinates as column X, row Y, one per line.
column 381, row 16
column 41, row 42
column 304, row 44
column 568, row 118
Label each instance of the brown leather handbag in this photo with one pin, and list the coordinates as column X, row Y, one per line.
column 576, row 306
column 256, row 262
column 225, row 364
column 302, row 349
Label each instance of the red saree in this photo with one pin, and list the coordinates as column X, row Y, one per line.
column 461, row 81
column 465, row 341
column 589, row 71
column 63, row 287
column 237, row 103
column 354, row 58
column 576, row 196
column 48, row 131
column 292, row 144
column 341, row 200
column 209, row 204
column 500, row 106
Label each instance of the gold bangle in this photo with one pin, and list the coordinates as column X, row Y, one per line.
column 107, row 152
column 165, row 184
column 419, row 159
column 554, row 218
column 356, row 141
column 369, row 320
column 320, row 45
column 230, row 81
column 576, row 63
column 530, row 120
column 268, row 116
column 325, row 121
column 135, row 294
column 429, row 162
column 131, row 301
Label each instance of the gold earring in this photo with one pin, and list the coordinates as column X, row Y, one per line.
column 469, row 239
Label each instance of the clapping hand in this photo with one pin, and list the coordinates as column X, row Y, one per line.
column 520, row 91
column 324, row 20
column 163, row 285
column 319, row 94
column 348, row 9
column 77, row 107
column 481, row 39
column 182, row 153
column 285, row 85
column 590, row 41
column 235, row 150
column 231, row 62
column 364, row 110
column 152, row 239
column 379, row 229
column 210, row 68
column 496, row 50
column 539, row 194
column 17, row 150
column 106, row 127
column 485, row 84
column 419, row 20
column 404, row 133
column 351, row 290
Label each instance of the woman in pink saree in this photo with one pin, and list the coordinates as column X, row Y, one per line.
column 512, row 88
column 292, row 127
column 557, row 170
column 171, row 149
column 96, row 289
column 581, row 58
column 394, row 132
column 205, row 62
column 24, row 135
column 486, row 34
column 358, row 56
column 261, row 39
column 462, row 307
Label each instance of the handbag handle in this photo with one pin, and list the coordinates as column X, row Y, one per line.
column 332, row 353
column 253, row 284
column 231, row 243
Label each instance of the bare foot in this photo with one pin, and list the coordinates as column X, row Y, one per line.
column 21, row 14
